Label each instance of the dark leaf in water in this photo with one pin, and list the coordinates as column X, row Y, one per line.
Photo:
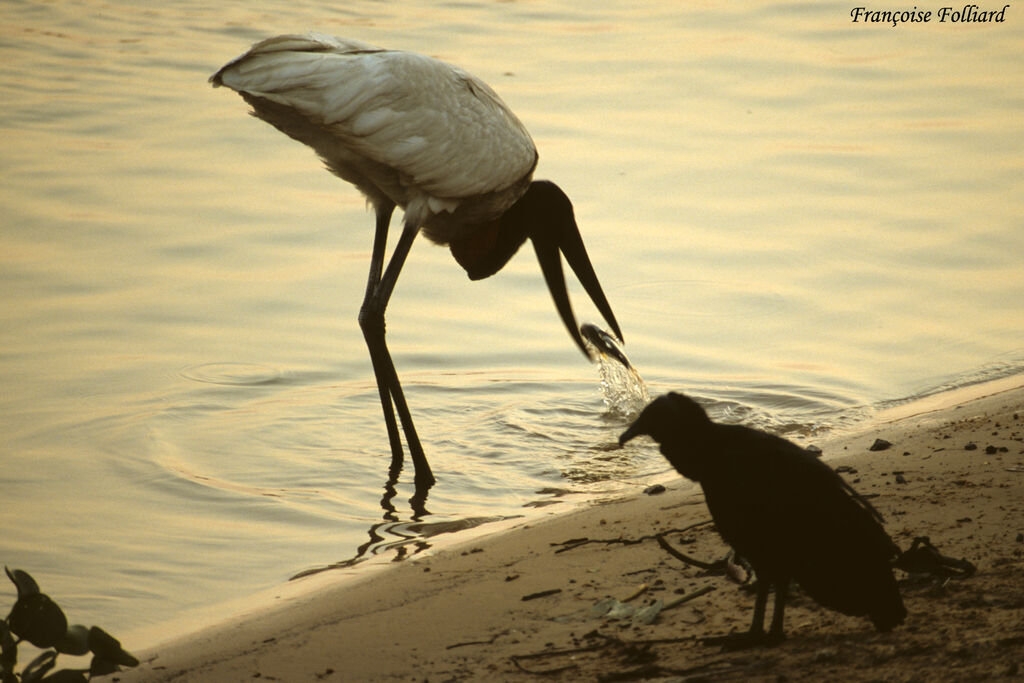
column 8, row 650
column 66, row 676
column 38, row 619
column 38, row 667
column 75, row 641
column 106, row 646
column 101, row 667
column 25, row 584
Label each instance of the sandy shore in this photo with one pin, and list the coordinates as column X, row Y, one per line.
column 517, row 606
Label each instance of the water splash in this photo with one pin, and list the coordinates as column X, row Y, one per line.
column 622, row 388
column 624, row 391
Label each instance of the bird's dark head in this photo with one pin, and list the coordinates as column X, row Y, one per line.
column 667, row 418
column 544, row 215
column 678, row 424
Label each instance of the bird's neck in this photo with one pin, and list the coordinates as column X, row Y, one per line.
column 485, row 248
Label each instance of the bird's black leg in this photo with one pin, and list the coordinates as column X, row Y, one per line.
column 760, row 605
column 424, row 476
column 776, row 634
column 371, row 319
column 755, row 636
column 380, row 240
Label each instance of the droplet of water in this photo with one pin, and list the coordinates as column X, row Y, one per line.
column 622, row 388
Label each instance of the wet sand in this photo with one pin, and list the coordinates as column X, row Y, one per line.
column 517, row 606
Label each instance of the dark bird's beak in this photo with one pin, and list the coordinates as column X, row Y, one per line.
column 634, row 431
column 604, row 344
column 549, row 254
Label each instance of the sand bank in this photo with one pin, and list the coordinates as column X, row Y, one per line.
column 517, row 606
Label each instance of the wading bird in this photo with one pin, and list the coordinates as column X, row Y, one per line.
column 784, row 511
column 413, row 132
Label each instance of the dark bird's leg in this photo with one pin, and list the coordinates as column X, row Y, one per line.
column 379, row 287
column 756, row 635
column 380, row 240
column 756, row 632
column 776, row 634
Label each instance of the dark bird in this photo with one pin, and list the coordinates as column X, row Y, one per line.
column 413, row 132
column 784, row 511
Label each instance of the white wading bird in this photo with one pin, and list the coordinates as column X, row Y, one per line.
column 411, row 131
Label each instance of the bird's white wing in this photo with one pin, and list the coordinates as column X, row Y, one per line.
column 444, row 132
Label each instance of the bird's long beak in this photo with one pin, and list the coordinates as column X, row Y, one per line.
column 549, row 254
column 634, row 431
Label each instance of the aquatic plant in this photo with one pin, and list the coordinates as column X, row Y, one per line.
column 37, row 619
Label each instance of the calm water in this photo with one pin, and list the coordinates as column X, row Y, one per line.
column 798, row 218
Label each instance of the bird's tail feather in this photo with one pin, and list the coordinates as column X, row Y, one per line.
column 888, row 612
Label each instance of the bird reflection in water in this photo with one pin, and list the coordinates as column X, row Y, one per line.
column 405, row 539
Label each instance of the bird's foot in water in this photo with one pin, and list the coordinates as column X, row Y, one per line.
column 744, row 641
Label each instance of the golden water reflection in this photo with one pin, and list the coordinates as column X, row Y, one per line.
column 792, row 216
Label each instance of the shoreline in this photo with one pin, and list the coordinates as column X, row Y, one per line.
column 461, row 612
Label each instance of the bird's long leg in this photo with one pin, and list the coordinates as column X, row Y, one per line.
column 371, row 318
column 760, row 605
column 753, row 637
column 776, row 634
column 380, row 240
column 424, row 475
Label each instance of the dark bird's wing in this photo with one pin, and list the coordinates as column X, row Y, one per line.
column 792, row 516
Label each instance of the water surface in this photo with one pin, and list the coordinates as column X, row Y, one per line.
column 795, row 218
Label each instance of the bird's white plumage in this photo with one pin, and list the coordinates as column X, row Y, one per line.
column 401, row 126
column 414, row 132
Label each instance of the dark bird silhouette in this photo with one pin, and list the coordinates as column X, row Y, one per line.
column 784, row 511
column 410, row 131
